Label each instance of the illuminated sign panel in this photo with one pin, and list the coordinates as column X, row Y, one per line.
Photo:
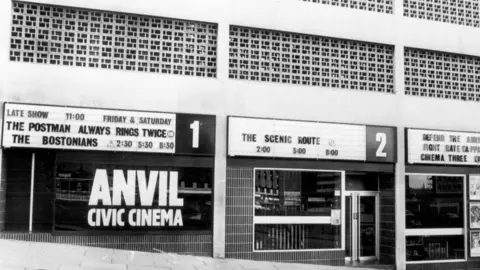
column 36, row 126
column 443, row 147
column 309, row 140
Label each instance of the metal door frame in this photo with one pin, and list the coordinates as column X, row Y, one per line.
column 355, row 225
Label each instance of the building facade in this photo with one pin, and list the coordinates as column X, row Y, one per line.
column 323, row 132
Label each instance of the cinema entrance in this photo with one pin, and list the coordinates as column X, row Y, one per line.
column 361, row 226
column 111, row 178
column 317, row 200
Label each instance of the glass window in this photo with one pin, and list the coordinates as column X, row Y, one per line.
column 439, row 247
column 434, row 201
column 434, row 209
column 108, row 197
column 297, row 209
column 296, row 193
column 296, row 236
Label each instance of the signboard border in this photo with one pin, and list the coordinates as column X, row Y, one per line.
column 395, row 157
column 108, row 109
column 407, row 163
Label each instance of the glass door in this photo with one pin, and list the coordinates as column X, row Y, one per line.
column 361, row 228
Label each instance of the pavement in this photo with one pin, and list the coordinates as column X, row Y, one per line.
column 22, row 255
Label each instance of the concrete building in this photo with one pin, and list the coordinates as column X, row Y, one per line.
column 391, row 87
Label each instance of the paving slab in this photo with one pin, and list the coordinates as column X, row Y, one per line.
column 43, row 263
column 5, row 267
column 64, row 252
column 159, row 260
column 103, row 265
column 22, row 255
column 180, row 265
column 99, row 255
column 15, row 262
column 251, row 265
column 134, row 258
column 70, row 267
column 222, row 264
column 135, row 267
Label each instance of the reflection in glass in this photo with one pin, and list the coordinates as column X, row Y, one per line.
column 427, row 248
column 296, row 193
column 434, row 201
column 348, row 226
column 74, row 184
column 367, row 226
column 296, row 236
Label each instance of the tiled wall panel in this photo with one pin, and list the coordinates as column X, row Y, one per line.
column 194, row 244
column 18, row 175
column 3, row 191
column 290, row 58
column 438, row 266
column 239, row 226
column 100, row 39
column 387, row 218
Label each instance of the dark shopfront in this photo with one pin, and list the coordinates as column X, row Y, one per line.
column 109, row 178
column 310, row 192
column 442, row 199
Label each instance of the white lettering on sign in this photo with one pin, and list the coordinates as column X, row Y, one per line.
column 195, row 126
column 123, row 194
column 295, row 139
column 443, row 147
column 382, row 138
column 36, row 126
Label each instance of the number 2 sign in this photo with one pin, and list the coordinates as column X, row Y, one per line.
column 381, row 144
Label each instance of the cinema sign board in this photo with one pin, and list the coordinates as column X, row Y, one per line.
column 121, row 207
column 56, row 127
column 310, row 140
column 443, row 147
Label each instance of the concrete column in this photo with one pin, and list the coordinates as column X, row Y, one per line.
column 5, row 28
column 3, row 178
column 399, row 76
column 221, row 136
column 220, row 188
column 3, row 190
column 400, row 244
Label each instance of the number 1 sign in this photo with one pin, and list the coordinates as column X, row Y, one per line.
column 195, row 134
column 60, row 127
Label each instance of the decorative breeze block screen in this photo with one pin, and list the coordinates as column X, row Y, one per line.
column 99, row 39
column 462, row 12
column 382, row 6
column 271, row 56
column 442, row 75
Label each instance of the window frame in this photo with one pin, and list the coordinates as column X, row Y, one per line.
column 299, row 219
column 440, row 231
column 128, row 232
